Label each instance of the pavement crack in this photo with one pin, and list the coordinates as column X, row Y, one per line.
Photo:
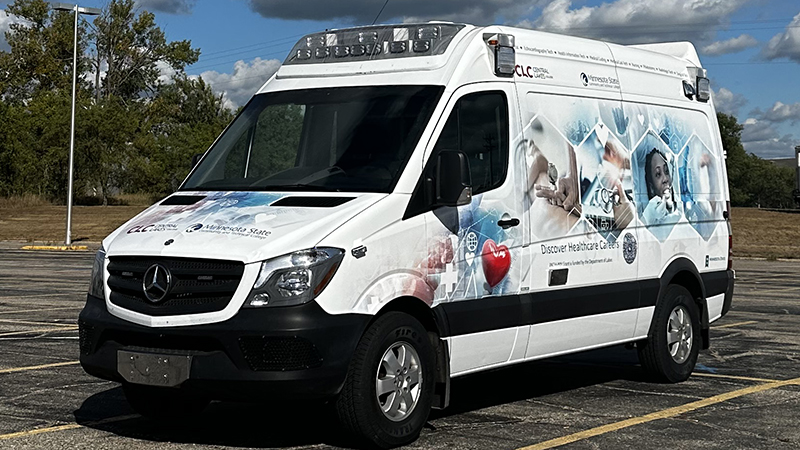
column 662, row 394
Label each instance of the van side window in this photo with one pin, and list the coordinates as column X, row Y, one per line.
column 478, row 126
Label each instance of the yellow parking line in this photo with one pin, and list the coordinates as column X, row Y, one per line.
column 42, row 366
column 734, row 377
column 28, row 322
column 663, row 414
column 57, row 294
column 39, row 330
column 737, row 324
column 69, row 426
column 20, row 311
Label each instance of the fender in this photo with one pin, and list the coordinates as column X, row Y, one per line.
column 681, row 271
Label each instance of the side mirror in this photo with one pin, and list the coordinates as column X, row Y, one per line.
column 453, row 179
column 196, row 159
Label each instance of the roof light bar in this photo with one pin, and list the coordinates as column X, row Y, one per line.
column 371, row 43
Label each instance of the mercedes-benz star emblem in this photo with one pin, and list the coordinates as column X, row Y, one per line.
column 156, row 283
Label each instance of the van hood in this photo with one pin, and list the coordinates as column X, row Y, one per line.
column 241, row 226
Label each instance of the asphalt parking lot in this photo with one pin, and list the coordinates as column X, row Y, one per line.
column 745, row 393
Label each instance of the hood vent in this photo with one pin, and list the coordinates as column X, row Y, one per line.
column 182, row 200
column 312, row 202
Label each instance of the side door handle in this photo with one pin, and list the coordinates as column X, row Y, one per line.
column 507, row 223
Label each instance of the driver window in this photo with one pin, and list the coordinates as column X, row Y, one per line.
column 478, row 127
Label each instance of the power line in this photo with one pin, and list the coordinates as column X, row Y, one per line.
column 749, row 63
column 380, row 12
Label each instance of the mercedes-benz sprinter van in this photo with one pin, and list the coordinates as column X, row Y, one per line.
column 401, row 205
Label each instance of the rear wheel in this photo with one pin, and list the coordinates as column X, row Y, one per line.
column 163, row 403
column 673, row 343
column 387, row 395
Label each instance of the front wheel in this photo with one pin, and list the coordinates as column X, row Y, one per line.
column 388, row 392
column 673, row 343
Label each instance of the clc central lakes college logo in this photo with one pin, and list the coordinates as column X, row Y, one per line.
column 236, row 230
column 156, row 283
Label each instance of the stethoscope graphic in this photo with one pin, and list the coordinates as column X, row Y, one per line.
column 606, row 198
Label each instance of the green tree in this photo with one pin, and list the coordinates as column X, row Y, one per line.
column 40, row 59
column 753, row 181
column 132, row 47
column 182, row 120
column 135, row 129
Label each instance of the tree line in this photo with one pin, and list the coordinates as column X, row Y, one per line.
column 753, row 181
column 137, row 131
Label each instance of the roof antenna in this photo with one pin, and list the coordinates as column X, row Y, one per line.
column 380, row 12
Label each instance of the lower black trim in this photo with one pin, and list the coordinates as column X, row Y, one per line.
column 298, row 351
column 550, row 306
column 717, row 283
column 728, row 302
column 485, row 314
column 493, row 313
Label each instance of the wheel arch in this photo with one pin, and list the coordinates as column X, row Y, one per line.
column 435, row 322
column 683, row 272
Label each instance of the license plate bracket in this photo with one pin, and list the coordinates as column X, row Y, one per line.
column 153, row 369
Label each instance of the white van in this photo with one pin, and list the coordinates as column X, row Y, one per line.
column 402, row 205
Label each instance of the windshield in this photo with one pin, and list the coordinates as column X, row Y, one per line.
column 337, row 139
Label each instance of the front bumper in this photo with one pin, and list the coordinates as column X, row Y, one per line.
column 283, row 352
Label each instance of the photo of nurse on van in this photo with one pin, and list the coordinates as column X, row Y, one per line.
column 656, row 178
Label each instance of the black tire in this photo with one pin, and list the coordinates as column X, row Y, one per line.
column 163, row 403
column 358, row 406
column 672, row 359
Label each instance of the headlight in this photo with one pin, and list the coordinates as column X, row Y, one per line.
column 98, row 266
column 295, row 278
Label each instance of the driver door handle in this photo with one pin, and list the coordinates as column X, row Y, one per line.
column 508, row 223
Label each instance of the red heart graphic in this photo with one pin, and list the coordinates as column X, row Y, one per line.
column 496, row 262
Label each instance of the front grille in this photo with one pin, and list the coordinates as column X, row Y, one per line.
column 86, row 336
column 198, row 285
column 266, row 353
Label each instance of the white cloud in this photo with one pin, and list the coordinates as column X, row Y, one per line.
column 728, row 102
column 786, row 44
column 168, row 6
column 166, row 72
column 6, row 20
column 780, row 112
column 762, row 139
column 638, row 21
column 246, row 79
column 732, row 45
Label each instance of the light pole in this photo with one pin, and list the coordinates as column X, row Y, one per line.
column 78, row 11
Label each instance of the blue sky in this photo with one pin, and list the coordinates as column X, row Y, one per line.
column 751, row 48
